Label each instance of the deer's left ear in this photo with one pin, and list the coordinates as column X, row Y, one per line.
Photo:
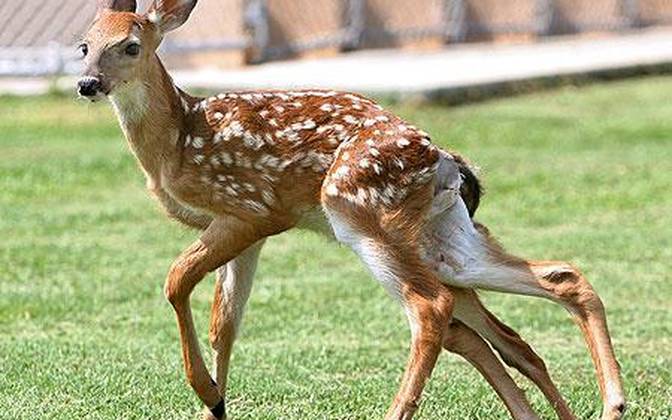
column 170, row 14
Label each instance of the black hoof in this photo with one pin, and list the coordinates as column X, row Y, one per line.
column 219, row 411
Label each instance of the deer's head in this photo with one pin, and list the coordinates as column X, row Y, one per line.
column 120, row 44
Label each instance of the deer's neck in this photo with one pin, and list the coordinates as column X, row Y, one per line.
column 151, row 115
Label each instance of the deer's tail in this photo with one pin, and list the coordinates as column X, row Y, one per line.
column 471, row 189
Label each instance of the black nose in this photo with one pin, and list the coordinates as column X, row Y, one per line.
column 88, row 86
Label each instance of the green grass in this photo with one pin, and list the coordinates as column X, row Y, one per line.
column 577, row 174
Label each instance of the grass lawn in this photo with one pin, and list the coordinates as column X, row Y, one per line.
column 577, row 174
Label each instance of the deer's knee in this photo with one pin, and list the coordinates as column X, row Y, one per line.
column 179, row 282
column 570, row 286
column 170, row 291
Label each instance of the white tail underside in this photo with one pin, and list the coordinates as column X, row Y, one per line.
column 453, row 246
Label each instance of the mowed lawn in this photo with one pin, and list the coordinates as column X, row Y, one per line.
column 582, row 174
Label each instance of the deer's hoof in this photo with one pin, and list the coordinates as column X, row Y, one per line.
column 614, row 411
column 207, row 415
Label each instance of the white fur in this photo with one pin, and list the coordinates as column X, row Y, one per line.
column 130, row 102
column 371, row 254
column 236, row 278
column 467, row 261
column 154, row 17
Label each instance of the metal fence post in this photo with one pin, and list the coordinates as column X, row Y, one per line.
column 455, row 20
column 355, row 25
column 630, row 10
column 543, row 17
column 256, row 19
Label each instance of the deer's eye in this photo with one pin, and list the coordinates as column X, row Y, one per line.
column 133, row 50
column 83, row 49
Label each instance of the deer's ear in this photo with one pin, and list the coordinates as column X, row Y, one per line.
column 117, row 5
column 170, row 14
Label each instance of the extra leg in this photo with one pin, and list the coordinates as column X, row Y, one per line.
column 466, row 256
column 221, row 242
column 564, row 284
column 513, row 349
column 462, row 340
column 232, row 289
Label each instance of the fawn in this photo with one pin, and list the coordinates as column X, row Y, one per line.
column 242, row 166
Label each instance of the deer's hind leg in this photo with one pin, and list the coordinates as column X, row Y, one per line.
column 466, row 256
column 385, row 242
column 512, row 348
column 392, row 258
column 562, row 283
column 462, row 340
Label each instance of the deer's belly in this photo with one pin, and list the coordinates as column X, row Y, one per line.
column 315, row 220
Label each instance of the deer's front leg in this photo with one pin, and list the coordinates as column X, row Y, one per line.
column 232, row 289
column 220, row 243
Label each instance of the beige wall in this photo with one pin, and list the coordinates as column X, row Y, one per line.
column 385, row 17
column 653, row 11
column 36, row 23
column 293, row 21
column 296, row 21
column 493, row 15
column 212, row 20
column 569, row 13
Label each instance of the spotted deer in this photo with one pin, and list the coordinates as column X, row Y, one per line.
column 243, row 166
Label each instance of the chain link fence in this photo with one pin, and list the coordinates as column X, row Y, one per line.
column 37, row 36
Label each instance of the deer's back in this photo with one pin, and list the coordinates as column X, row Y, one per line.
column 270, row 154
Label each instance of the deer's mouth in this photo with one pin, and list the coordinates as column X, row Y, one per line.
column 92, row 88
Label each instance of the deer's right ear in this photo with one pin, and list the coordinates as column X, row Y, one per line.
column 117, row 5
column 170, row 14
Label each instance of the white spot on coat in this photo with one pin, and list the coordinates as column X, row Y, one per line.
column 268, row 197
column 332, row 190
column 350, row 119
column 198, row 142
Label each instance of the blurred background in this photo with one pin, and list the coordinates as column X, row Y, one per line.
column 37, row 37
